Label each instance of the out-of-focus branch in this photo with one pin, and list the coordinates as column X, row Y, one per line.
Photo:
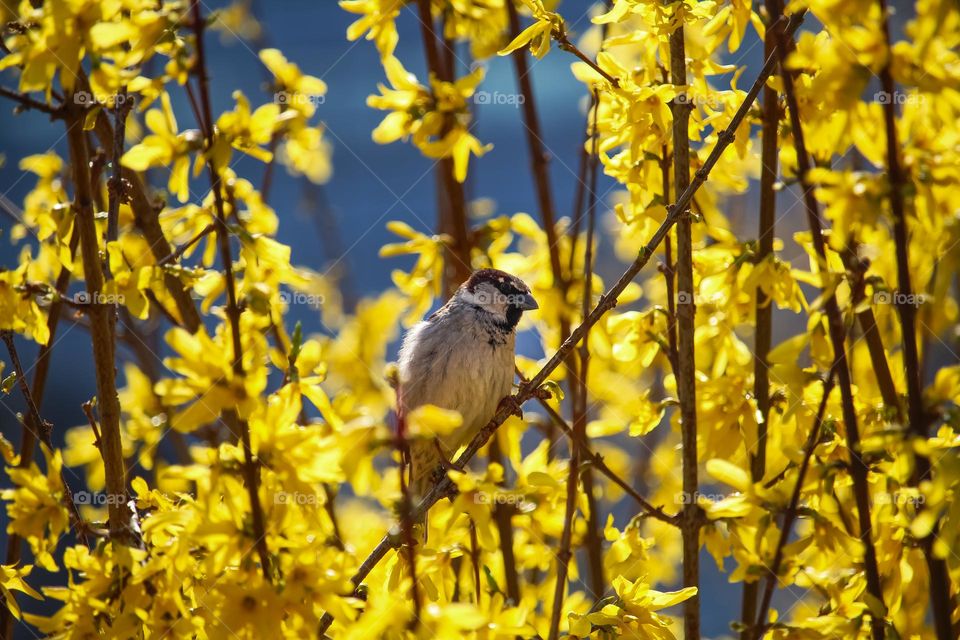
column 535, row 147
column 233, row 311
column 907, row 311
column 790, row 515
column 858, row 468
column 452, row 209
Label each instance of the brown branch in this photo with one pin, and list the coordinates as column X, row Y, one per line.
column 102, row 326
column 233, row 308
column 858, row 468
column 907, row 311
column 182, row 249
column 790, row 515
column 43, row 431
column 502, row 517
column 26, row 102
column 856, row 271
column 763, row 310
column 452, row 211
column 475, row 560
column 406, row 524
column 597, row 461
column 146, row 219
column 579, row 435
column 686, row 310
column 41, row 369
column 606, row 302
column 538, row 154
column 560, row 35
column 123, row 102
column 669, row 269
column 593, row 539
column 564, row 554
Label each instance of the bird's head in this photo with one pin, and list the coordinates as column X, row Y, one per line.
column 498, row 293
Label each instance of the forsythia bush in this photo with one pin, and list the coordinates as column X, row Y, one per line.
column 824, row 462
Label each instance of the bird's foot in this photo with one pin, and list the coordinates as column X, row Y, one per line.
column 440, row 473
column 445, row 464
column 510, row 404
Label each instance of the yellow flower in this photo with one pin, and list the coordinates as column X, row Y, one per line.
column 437, row 119
column 35, row 507
column 165, row 146
column 377, row 21
column 12, row 579
column 538, row 34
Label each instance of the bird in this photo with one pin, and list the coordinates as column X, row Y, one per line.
column 460, row 358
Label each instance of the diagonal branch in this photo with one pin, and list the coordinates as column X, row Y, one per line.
column 790, row 515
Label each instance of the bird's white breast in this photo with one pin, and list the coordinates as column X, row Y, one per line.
column 452, row 362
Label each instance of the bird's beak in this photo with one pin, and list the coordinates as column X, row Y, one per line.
column 528, row 303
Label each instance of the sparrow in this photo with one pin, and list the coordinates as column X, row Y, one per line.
column 460, row 358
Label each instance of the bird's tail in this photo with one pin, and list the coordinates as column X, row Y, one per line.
column 424, row 459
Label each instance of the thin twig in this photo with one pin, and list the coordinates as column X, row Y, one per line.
column 182, row 249
column 597, row 461
column 535, row 147
column 233, row 308
column 856, row 271
column 502, row 517
column 43, row 432
column 593, row 537
column 406, row 522
column 452, row 209
column 858, row 468
column 146, row 218
column 790, row 515
column 560, row 35
column 26, row 102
